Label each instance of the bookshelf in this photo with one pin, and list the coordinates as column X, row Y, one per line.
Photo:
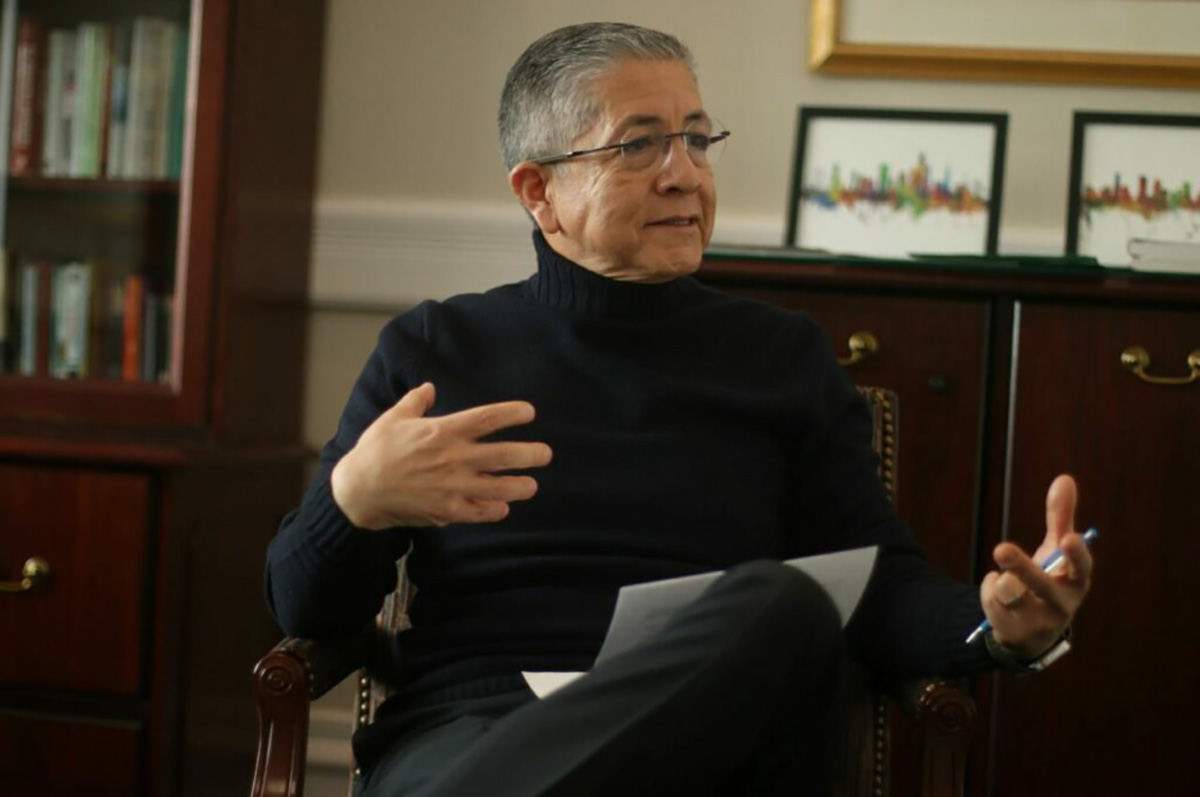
column 97, row 99
column 155, row 219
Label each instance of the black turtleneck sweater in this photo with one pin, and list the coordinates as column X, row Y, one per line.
column 691, row 431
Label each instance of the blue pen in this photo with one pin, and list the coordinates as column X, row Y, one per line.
column 1052, row 563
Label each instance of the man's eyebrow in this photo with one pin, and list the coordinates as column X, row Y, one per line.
column 651, row 119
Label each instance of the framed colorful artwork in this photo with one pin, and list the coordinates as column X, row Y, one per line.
column 895, row 182
column 1132, row 176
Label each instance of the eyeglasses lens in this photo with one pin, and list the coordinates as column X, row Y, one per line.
column 641, row 149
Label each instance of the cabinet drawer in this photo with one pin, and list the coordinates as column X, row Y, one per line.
column 85, row 628
column 45, row 755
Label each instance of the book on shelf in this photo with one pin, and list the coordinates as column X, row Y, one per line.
column 70, row 309
column 1181, row 257
column 83, row 319
column 150, row 337
column 151, row 108
column 57, row 106
column 118, row 102
column 178, row 102
column 114, row 329
column 28, row 315
column 131, row 326
column 8, row 56
column 100, row 99
column 93, row 67
column 156, row 336
column 25, row 136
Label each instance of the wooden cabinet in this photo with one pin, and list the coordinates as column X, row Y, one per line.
column 1135, row 449
column 149, row 449
column 1007, row 378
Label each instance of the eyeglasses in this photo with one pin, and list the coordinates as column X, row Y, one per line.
column 641, row 150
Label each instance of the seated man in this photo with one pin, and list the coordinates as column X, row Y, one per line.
column 690, row 431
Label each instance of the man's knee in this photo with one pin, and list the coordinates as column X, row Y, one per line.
column 791, row 594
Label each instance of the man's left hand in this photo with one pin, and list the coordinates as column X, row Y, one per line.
column 1028, row 609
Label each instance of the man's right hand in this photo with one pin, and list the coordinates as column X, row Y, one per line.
column 409, row 470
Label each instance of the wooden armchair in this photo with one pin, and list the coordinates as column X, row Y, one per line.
column 297, row 671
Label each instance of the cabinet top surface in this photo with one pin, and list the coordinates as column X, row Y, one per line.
column 1016, row 276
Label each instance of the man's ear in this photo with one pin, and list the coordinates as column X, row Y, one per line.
column 530, row 184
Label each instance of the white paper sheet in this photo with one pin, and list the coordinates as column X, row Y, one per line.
column 644, row 609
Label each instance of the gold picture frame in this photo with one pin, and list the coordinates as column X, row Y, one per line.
column 829, row 54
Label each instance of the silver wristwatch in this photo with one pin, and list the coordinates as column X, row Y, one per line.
column 1014, row 664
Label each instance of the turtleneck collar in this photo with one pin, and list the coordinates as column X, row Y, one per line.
column 564, row 284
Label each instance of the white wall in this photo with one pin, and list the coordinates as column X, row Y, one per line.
column 411, row 90
column 412, row 194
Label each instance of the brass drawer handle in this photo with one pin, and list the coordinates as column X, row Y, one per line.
column 35, row 572
column 1137, row 360
column 862, row 345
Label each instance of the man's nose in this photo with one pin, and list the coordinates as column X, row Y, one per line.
column 677, row 169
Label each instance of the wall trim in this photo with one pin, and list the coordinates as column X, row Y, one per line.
column 386, row 255
column 329, row 732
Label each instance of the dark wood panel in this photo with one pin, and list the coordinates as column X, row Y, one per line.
column 1115, row 717
column 42, row 755
column 266, row 219
column 933, row 354
column 85, row 630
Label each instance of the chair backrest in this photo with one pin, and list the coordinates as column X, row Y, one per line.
column 867, row 750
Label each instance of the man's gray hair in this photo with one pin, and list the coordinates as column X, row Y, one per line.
column 548, row 102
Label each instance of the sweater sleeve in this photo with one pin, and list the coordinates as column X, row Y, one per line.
column 325, row 576
column 913, row 620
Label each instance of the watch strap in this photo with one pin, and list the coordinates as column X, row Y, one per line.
column 1014, row 663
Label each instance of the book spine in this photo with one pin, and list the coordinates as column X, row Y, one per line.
column 162, row 91
column 81, row 101
column 118, row 103
column 104, row 64
column 131, row 350
column 139, row 115
column 26, row 116
column 166, row 317
column 175, row 122
column 150, row 337
column 52, row 104
column 66, row 113
column 97, row 327
column 115, row 330
column 71, row 306
column 27, row 320
column 45, row 318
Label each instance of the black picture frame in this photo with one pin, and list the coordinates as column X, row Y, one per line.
column 1081, row 123
column 810, row 115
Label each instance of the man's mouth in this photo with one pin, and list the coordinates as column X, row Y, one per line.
column 677, row 221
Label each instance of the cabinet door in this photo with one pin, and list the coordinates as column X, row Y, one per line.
column 933, row 354
column 1117, row 715
column 85, row 629
column 41, row 755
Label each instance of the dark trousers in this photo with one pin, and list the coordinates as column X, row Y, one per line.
column 743, row 693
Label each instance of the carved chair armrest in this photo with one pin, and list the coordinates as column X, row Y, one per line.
column 295, row 672
column 945, row 715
